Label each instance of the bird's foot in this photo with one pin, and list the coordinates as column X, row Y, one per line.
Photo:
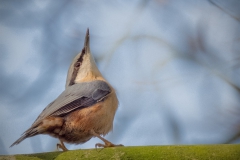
column 62, row 146
column 107, row 145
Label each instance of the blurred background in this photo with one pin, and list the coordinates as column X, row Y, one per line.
column 175, row 66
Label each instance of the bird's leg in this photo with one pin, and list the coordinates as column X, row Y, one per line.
column 62, row 146
column 107, row 143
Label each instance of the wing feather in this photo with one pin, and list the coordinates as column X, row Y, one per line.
column 77, row 96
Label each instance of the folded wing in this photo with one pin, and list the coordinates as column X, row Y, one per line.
column 75, row 97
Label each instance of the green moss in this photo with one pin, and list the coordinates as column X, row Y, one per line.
column 179, row 152
column 38, row 156
column 158, row 152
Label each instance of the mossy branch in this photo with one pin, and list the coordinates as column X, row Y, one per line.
column 174, row 152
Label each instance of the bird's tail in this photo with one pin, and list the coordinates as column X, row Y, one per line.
column 28, row 133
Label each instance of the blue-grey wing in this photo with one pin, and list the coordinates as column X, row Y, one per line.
column 77, row 96
column 97, row 96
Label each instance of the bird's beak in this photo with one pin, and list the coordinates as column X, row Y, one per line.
column 87, row 42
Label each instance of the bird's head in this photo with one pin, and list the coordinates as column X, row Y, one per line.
column 83, row 67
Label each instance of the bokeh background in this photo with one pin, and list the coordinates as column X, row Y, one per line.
column 175, row 66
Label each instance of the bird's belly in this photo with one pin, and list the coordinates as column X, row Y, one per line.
column 78, row 124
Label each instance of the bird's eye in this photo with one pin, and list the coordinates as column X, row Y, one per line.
column 77, row 64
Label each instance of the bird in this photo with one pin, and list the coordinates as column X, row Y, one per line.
column 85, row 109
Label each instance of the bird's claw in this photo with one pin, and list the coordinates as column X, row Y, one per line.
column 107, row 145
column 61, row 147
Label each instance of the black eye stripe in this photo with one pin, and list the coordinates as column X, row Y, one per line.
column 77, row 65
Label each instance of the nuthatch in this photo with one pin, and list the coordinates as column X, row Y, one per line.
column 85, row 109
